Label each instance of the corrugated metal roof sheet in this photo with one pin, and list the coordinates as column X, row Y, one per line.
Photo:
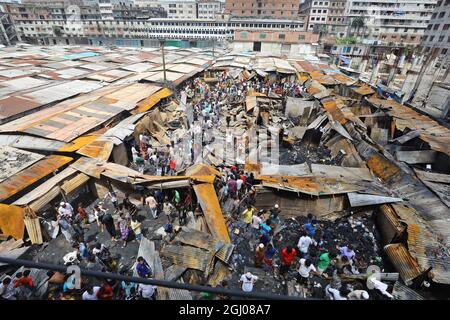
column 403, row 262
column 364, row 90
column 151, row 101
column 100, row 149
column 27, row 177
column 186, row 256
column 72, row 184
column 207, row 198
column 45, row 187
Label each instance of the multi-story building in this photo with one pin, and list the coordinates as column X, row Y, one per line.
column 337, row 22
column 317, row 13
column 437, row 34
column 180, row 9
column 262, row 9
column 208, row 9
column 391, row 21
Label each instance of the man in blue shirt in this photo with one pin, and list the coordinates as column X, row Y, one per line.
column 142, row 268
column 310, row 228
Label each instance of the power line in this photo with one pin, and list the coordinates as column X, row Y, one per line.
column 155, row 282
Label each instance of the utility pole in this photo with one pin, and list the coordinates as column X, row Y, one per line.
column 161, row 42
column 214, row 47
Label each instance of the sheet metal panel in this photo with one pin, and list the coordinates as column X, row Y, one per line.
column 45, row 187
column 209, row 203
column 27, row 177
column 100, row 149
column 403, row 262
column 186, row 256
column 13, row 160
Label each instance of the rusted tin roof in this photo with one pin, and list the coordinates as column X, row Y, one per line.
column 187, row 256
column 100, row 149
column 207, row 198
column 11, row 221
column 437, row 136
column 27, row 177
column 403, row 262
column 364, row 90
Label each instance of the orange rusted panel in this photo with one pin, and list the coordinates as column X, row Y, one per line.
column 336, row 113
column 100, row 149
column 11, row 221
column 207, row 198
column 201, row 169
column 364, row 90
column 382, row 168
column 27, row 177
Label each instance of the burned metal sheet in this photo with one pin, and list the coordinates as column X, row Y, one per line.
column 341, row 172
column 414, row 157
column 298, row 170
column 209, row 203
column 359, row 199
column 225, row 252
column 174, row 272
column 13, row 160
column 14, row 184
column 403, row 262
column 187, row 256
column 402, row 292
column 195, row 238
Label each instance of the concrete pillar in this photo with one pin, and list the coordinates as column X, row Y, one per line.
column 363, row 66
column 374, row 75
column 406, row 66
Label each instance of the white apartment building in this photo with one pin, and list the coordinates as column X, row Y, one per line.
column 208, row 9
column 392, row 21
column 437, row 34
column 180, row 9
column 317, row 12
column 106, row 7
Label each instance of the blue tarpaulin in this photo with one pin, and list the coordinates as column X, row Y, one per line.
column 81, row 55
column 344, row 60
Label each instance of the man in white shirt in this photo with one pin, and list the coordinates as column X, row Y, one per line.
column 65, row 210
column 90, row 293
column 333, row 294
column 304, row 271
column 256, row 222
column 303, row 244
column 147, row 291
column 151, row 202
column 248, row 280
column 358, row 295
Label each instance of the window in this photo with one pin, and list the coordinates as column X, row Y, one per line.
column 441, row 38
column 282, row 36
column 431, row 38
column 262, row 36
column 301, row 37
column 446, row 26
column 444, row 51
column 436, row 26
column 441, row 14
column 244, row 35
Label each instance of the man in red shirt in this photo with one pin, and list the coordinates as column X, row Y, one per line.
column 82, row 213
column 287, row 256
column 23, row 279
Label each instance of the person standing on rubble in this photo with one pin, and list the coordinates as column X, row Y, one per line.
column 65, row 210
column 108, row 222
column 325, row 259
column 82, row 213
column 306, row 268
column 232, row 187
column 167, row 209
column 248, row 280
column 113, row 196
column 259, row 255
column 303, row 244
column 124, row 227
column 256, row 224
column 348, row 252
column 310, row 228
column 268, row 257
column 152, row 205
column 247, row 215
column 287, row 257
